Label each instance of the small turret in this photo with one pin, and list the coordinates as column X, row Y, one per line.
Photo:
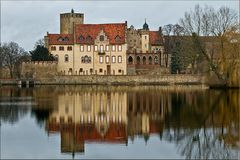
column 145, row 26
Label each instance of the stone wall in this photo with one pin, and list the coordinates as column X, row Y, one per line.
column 40, row 69
column 124, row 80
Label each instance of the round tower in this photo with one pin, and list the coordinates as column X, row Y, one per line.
column 67, row 20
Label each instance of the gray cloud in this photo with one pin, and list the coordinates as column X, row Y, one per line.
column 26, row 21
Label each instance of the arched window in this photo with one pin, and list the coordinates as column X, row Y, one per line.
column 86, row 59
column 150, row 60
column 156, row 60
column 130, row 60
column 56, row 57
column 66, row 58
column 144, row 60
column 138, row 60
column 101, row 38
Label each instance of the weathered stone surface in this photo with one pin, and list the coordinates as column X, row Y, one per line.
column 36, row 70
column 124, row 80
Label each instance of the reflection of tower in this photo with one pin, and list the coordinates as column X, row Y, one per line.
column 68, row 142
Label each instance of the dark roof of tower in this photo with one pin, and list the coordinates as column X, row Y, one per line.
column 145, row 26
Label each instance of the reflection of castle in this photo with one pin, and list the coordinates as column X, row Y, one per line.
column 105, row 116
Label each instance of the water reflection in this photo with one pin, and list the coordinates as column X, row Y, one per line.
column 202, row 123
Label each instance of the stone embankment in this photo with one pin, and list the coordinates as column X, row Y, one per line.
column 124, row 80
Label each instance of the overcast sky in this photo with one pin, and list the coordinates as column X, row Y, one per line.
column 26, row 21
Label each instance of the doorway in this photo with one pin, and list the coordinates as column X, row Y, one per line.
column 108, row 69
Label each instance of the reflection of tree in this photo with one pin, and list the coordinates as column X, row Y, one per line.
column 208, row 128
column 9, row 110
column 12, row 113
column 41, row 115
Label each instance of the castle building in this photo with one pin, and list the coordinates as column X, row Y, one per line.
column 103, row 49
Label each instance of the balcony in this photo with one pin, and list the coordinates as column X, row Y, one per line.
column 101, row 52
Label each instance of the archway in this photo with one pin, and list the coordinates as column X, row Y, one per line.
column 150, row 60
column 138, row 60
column 144, row 60
column 130, row 60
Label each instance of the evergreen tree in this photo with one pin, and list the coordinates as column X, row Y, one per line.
column 41, row 53
column 175, row 59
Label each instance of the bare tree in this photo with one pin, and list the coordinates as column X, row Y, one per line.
column 221, row 23
column 12, row 53
column 39, row 42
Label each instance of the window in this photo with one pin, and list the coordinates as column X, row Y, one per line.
column 88, row 48
column 119, row 59
column 113, row 59
column 81, row 38
column 60, row 39
column 91, row 70
column 113, row 48
column 86, row 59
column 117, row 38
column 119, row 48
column 89, row 39
column 101, row 59
column 66, row 58
column 81, row 48
column 101, row 48
column 107, row 59
column 145, row 37
column 61, row 48
column 81, row 70
column 53, row 48
column 66, row 39
column 69, row 48
column 100, row 70
column 107, row 47
column 119, row 71
column 145, row 45
column 95, row 48
column 101, row 38
column 56, row 57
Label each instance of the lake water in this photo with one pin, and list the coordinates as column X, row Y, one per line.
column 119, row 122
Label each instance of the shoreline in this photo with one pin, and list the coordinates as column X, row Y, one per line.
column 136, row 80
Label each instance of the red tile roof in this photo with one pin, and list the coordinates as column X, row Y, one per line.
column 111, row 30
column 54, row 39
column 155, row 38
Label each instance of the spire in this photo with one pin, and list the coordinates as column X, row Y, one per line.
column 72, row 11
column 145, row 25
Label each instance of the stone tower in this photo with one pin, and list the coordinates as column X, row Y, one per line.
column 67, row 21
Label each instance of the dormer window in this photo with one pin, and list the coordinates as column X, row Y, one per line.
column 117, row 38
column 66, row 39
column 81, row 38
column 60, row 39
column 89, row 38
column 101, row 38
